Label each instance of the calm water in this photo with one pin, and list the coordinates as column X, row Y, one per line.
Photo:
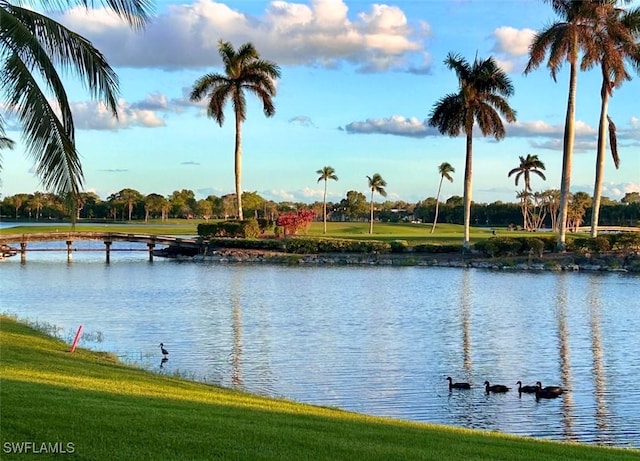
column 377, row 340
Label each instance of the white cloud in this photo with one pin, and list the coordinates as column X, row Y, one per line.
column 513, row 42
column 93, row 115
column 394, row 125
column 511, row 47
column 319, row 34
column 539, row 128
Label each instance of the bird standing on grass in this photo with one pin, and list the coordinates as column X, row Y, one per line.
column 163, row 350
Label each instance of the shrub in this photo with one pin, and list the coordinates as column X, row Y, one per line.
column 266, row 225
column 629, row 241
column 250, row 228
column 600, row 243
column 294, row 222
column 534, row 245
column 399, row 246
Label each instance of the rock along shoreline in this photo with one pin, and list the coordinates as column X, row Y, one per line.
column 557, row 262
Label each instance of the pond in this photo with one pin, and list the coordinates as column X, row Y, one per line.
column 376, row 340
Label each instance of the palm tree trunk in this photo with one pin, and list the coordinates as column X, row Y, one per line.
column 435, row 217
column 567, row 154
column 324, row 207
column 602, row 142
column 238, row 165
column 371, row 219
column 467, row 187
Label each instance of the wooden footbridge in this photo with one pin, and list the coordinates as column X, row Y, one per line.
column 192, row 243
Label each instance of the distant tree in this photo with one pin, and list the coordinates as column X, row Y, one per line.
column 445, row 169
column 376, row 184
column 244, row 71
column 529, row 164
column 326, row 173
column 578, row 205
column 204, row 209
column 155, row 203
column 631, row 197
column 354, row 206
column 183, row 203
column 252, row 202
column 481, row 99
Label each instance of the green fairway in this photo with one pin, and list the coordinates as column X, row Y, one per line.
column 100, row 409
column 411, row 232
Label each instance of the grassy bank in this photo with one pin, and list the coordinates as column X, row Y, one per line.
column 107, row 411
column 413, row 233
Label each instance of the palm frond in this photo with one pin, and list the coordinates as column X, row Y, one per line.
column 47, row 139
column 613, row 141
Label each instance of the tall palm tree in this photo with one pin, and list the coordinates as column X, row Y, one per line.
column 33, row 48
column 445, row 169
column 244, row 71
column 529, row 164
column 563, row 40
column 376, row 184
column 483, row 89
column 326, row 173
column 616, row 37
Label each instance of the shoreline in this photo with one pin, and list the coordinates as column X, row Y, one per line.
column 552, row 262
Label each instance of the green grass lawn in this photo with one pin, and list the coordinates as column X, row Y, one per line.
column 412, row 233
column 110, row 411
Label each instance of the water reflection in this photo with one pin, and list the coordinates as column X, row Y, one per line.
column 564, row 350
column 465, row 295
column 236, row 352
column 598, row 368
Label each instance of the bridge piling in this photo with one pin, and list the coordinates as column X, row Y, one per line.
column 107, row 250
column 151, row 246
column 69, row 250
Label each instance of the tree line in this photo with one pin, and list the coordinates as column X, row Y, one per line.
column 586, row 34
column 131, row 205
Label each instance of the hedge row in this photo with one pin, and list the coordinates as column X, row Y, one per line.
column 247, row 228
column 514, row 246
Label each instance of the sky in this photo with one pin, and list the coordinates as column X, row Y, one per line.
column 359, row 80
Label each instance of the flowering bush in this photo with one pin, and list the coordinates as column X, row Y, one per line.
column 294, row 222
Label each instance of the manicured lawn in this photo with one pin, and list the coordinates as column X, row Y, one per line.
column 107, row 410
column 412, row 233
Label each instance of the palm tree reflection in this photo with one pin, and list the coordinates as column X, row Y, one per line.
column 236, row 352
column 565, row 363
column 466, row 322
column 599, row 377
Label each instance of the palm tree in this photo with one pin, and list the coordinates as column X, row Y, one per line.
column 616, row 39
column 529, row 164
column 33, row 47
column 483, row 88
column 564, row 39
column 376, row 184
column 243, row 71
column 445, row 169
column 326, row 173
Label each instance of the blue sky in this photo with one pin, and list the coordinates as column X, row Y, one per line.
column 359, row 80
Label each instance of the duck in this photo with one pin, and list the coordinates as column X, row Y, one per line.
column 453, row 385
column 551, row 390
column 163, row 350
column 548, row 393
column 526, row 389
column 498, row 388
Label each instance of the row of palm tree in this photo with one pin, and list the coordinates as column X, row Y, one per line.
column 33, row 45
column 376, row 184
